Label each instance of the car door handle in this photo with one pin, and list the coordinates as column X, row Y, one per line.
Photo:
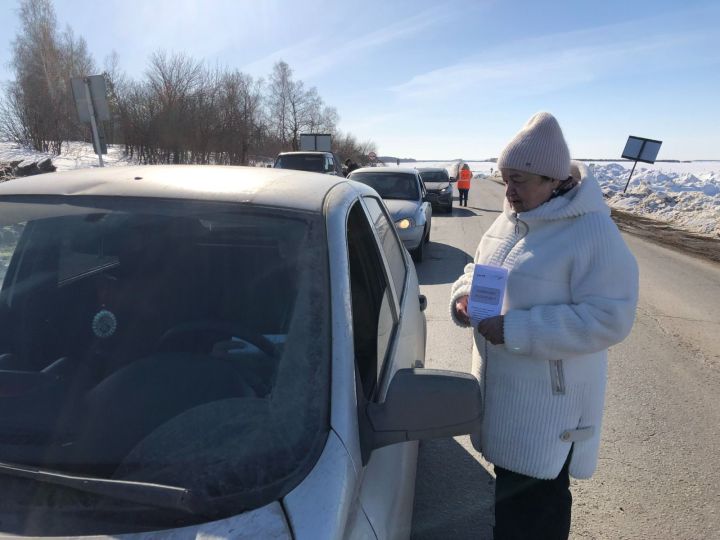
column 423, row 302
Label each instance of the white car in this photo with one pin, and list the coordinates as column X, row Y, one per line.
column 199, row 351
column 405, row 196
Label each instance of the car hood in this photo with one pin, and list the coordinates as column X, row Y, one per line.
column 436, row 186
column 401, row 208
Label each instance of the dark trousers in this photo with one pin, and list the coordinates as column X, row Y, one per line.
column 463, row 196
column 528, row 508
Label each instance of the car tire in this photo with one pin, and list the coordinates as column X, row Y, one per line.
column 427, row 236
column 418, row 252
column 448, row 208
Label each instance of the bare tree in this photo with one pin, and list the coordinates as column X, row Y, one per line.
column 40, row 98
column 347, row 146
column 179, row 112
column 280, row 88
column 116, row 83
column 328, row 120
column 241, row 116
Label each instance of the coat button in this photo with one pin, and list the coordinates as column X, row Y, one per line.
column 565, row 436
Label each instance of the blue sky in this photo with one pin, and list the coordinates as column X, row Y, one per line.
column 435, row 80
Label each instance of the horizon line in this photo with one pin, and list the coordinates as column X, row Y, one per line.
column 491, row 160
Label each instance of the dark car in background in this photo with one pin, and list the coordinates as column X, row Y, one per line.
column 439, row 187
column 319, row 162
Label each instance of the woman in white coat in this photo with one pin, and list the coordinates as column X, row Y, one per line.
column 571, row 293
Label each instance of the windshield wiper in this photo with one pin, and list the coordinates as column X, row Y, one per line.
column 156, row 495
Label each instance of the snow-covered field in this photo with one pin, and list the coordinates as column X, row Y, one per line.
column 76, row 155
column 686, row 195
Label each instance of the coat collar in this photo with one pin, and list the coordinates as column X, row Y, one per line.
column 585, row 198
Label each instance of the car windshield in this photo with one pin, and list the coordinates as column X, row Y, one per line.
column 178, row 343
column 390, row 185
column 434, row 176
column 301, row 162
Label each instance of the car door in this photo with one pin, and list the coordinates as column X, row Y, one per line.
column 389, row 334
column 425, row 206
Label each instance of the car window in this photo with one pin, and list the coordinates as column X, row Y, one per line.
column 390, row 185
column 9, row 237
column 434, row 176
column 302, row 162
column 180, row 343
column 374, row 319
column 394, row 252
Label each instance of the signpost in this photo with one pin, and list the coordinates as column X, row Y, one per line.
column 315, row 142
column 90, row 95
column 640, row 149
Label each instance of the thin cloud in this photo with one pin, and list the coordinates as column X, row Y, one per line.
column 290, row 54
column 540, row 65
column 315, row 56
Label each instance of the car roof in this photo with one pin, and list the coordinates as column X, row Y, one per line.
column 264, row 186
column 304, row 152
column 386, row 170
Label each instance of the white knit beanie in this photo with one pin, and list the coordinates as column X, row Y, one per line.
column 538, row 148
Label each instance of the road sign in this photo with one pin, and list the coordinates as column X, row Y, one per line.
column 98, row 94
column 100, row 140
column 372, row 156
column 315, row 142
column 91, row 103
column 640, row 149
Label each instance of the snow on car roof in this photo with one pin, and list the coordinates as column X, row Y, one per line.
column 256, row 185
column 304, row 152
column 386, row 170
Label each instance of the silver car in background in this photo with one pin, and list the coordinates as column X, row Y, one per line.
column 405, row 195
column 211, row 352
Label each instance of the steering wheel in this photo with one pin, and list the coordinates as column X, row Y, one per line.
column 200, row 336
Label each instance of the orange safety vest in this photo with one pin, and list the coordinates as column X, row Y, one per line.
column 465, row 177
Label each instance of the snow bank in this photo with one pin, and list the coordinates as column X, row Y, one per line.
column 687, row 199
column 75, row 155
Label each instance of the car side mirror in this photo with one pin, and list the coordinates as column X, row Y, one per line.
column 426, row 404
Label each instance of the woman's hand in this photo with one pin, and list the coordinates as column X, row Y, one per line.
column 492, row 329
column 461, row 309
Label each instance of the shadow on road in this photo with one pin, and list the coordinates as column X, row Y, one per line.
column 453, row 493
column 460, row 212
column 465, row 211
column 488, row 210
column 443, row 264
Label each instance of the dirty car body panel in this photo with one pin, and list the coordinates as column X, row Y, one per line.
column 151, row 271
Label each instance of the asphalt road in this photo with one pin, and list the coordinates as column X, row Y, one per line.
column 659, row 470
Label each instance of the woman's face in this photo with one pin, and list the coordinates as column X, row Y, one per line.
column 526, row 191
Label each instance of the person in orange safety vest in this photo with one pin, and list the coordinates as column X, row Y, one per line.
column 463, row 183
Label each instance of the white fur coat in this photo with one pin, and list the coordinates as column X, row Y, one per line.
column 572, row 292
